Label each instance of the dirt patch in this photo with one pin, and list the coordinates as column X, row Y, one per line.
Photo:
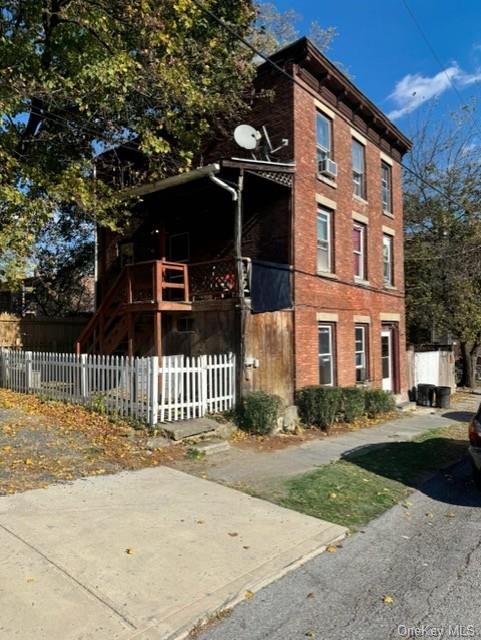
column 243, row 440
column 46, row 442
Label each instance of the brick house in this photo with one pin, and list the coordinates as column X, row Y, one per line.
column 292, row 260
column 349, row 316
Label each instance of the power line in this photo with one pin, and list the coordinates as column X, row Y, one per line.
column 438, row 60
column 312, row 94
column 229, row 29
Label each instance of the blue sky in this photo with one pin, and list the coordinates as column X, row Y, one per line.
column 384, row 52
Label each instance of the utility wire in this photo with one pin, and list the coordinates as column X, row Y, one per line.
column 312, row 94
column 59, row 119
column 438, row 60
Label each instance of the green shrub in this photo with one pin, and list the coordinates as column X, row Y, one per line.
column 258, row 412
column 378, row 401
column 319, row 406
column 353, row 403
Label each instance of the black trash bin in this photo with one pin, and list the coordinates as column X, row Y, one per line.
column 426, row 395
column 443, row 397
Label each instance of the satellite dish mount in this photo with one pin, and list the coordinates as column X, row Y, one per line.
column 249, row 138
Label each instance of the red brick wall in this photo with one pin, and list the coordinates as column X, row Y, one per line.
column 315, row 294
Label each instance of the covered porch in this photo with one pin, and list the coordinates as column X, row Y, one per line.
column 182, row 274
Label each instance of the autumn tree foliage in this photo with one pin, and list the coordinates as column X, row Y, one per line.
column 442, row 216
column 78, row 77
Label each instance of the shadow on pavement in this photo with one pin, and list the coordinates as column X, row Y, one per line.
column 458, row 416
column 414, row 463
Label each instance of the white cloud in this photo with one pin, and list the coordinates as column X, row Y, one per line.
column 412, row 90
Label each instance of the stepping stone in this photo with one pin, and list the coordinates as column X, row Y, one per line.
column 209, row 447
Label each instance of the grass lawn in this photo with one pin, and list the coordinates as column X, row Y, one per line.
column 366, row 483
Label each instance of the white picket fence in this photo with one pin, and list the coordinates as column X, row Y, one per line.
column 193, row 387
column 180, row 388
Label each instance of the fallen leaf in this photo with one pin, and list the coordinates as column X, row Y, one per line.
column 129, row 551
column 200, row 521
column 333, row 495
column 29, row 461
column 388, row 600
column 450, row 515
column 429, row 515
column 7, row 447
column 310, row 595
column 331, row 549
column 233, row 534
column 310, row 634
column 248, row 595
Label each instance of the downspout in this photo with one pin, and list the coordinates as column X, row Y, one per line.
column 237, row 198
column 224, row 185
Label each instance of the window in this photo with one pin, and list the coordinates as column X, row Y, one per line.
column 386, row 190
column 388, row 260
column 323, row 138
column 185, row 325
column 358, row 170
column 327, row 371
column 359, row 250
column 179, row 247
column 361, row 339
column 324, row 240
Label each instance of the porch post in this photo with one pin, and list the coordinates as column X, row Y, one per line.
column 158, row 334
column 130, row 334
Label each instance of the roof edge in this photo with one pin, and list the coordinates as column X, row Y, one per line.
column 304, row 48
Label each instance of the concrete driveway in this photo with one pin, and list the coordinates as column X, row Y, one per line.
column 141, row 555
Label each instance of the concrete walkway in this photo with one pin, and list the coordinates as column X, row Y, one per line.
column 141, row 555
column 254, row 469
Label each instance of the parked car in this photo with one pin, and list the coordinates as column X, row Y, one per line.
column 475, row 446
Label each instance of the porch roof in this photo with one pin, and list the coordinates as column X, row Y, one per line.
column 275, row 171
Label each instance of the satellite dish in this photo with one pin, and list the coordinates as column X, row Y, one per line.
column 246, row 136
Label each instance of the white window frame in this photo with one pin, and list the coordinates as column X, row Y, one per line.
column 362, row 253
column 387, row 242
column 330, row 354
column 359, row 178
column 322, row 151
column 386, row 187
column 323, row 212
column 363, row 352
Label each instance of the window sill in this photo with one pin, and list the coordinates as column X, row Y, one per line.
column 389, row 287
column 359, row 199
column 326, row 180
column 387, row 213
column 361, row 282
column 327, row 274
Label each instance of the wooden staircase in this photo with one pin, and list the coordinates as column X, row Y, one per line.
column 141, row 289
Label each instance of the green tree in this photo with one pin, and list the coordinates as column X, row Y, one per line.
column 443, row 237
column 62, row 263
column 275, row 29
column 81, row 76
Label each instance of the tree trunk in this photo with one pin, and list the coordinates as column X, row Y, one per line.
column 469, row 355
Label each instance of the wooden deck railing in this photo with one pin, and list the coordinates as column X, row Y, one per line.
column 217, row 279
column 139, row 287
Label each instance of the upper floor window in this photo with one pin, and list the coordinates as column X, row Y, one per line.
column 358, row 169
column 386, row 187
column 359, row 250
column 323, row 138
column 388, row 260
column 324, row 240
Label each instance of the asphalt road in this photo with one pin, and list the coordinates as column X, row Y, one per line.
column 427, row 557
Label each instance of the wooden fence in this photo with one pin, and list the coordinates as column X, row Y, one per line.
column 189, row 387
column 40, row 334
